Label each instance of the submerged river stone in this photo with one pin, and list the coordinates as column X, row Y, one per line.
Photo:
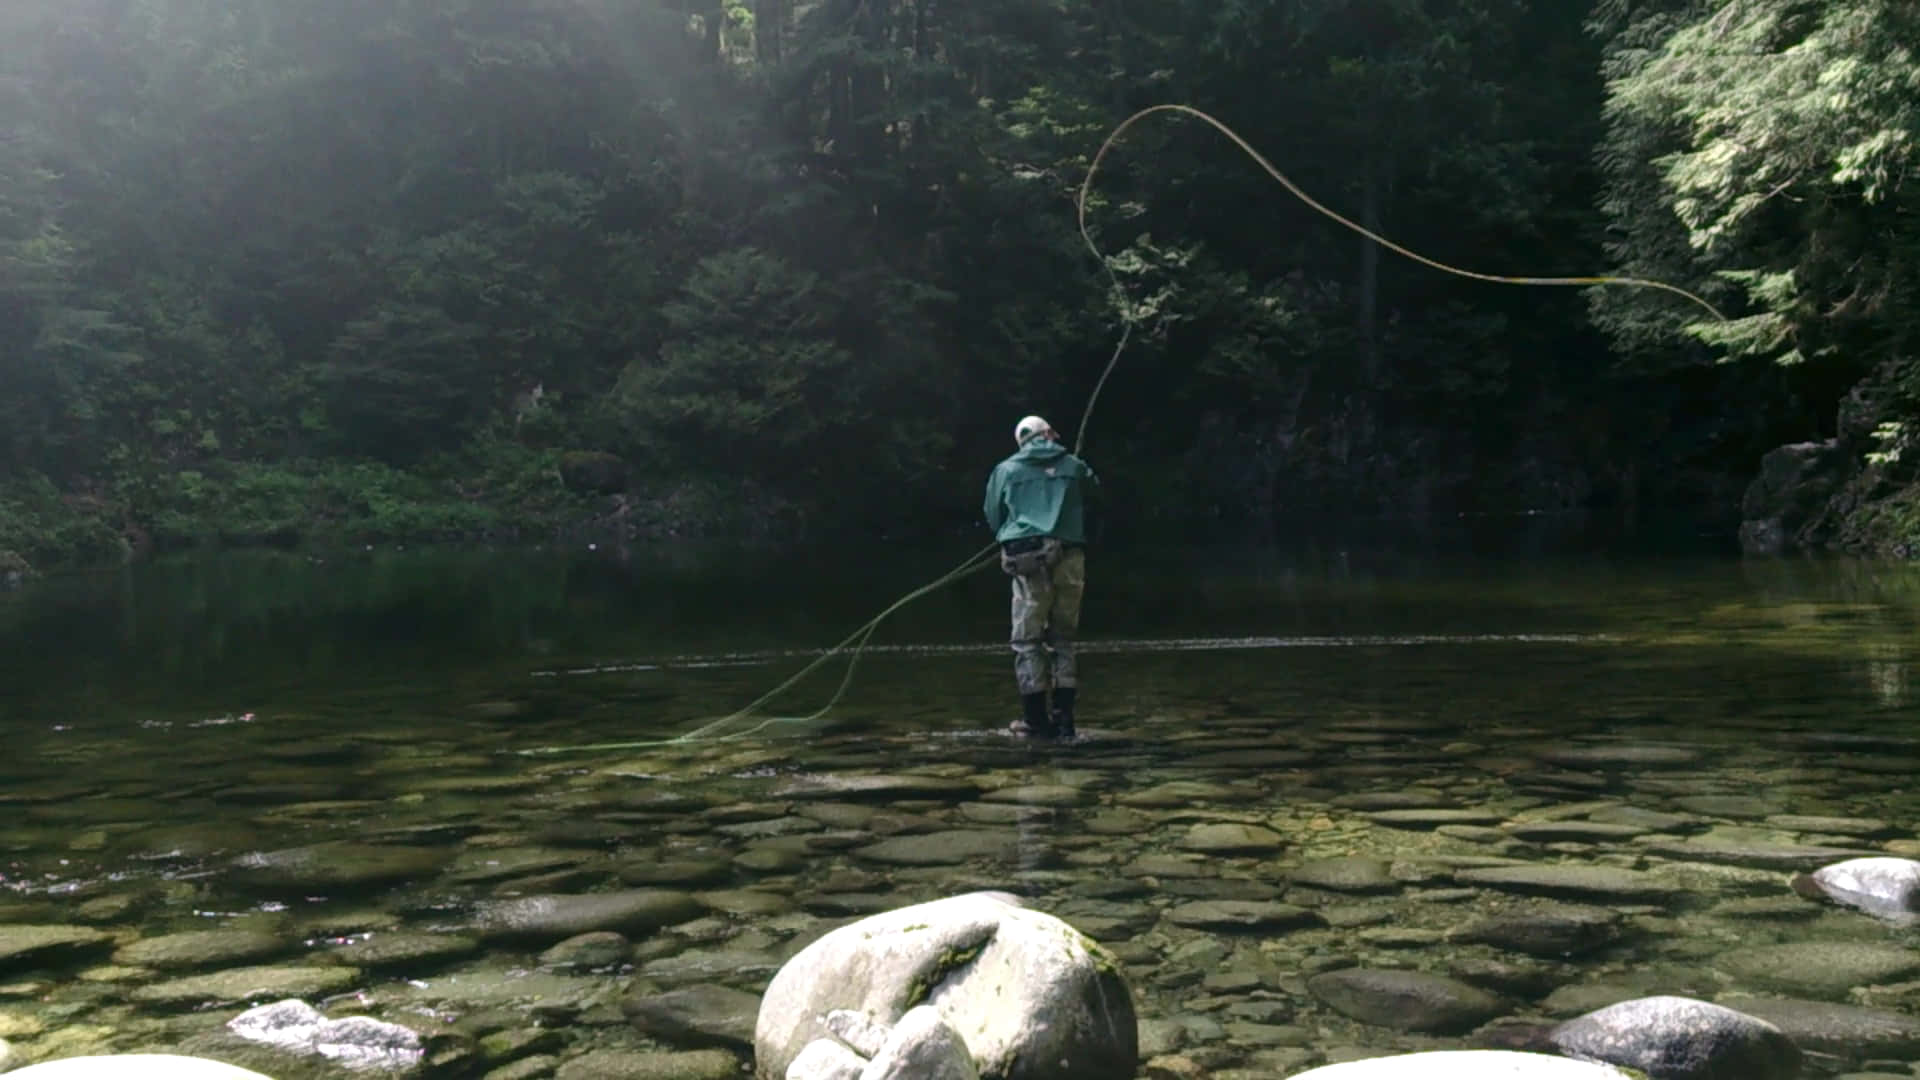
column 556, row 917
column 1352, row 874
column 1180, row 795
column 848, row 787
column 737, row 967
column 384, row 950
column 200, row 949
column 746, row 902
column 247, row 984
column 644, row 1065
column 1621, row 756
column 1583, row 832
column 948, row 848
column 1432, row 819
column 1758, row 855
column 1650, row 820
column 1241, row 915
column 190, row 841
column 587, row 952
column 1821, row 969
column 336, row 866
column 484, row 865
column 684, row 873
column 1405, row 1000
column 1549, row 930
column 1118, row 821
column 1728, row 806
column 1231, row 839
column 1783, row 908
column 1864, row 828
column 484, row 990
column 1037, row 795
column 1844, row 1031
column 696, row 1016
column 31, row 945
column 1599, row 884
column 1409, row 799
column 1170, row 866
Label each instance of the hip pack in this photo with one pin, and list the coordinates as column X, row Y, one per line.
column 1030, row 556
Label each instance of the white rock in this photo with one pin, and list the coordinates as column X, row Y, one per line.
column 134, row 1067
column 1672, row 1035
column 921, row 1047
column 858, row 1030
column 1880, row 885
column 1466, row 1065
column 1016, row 985
column 353, row 1041
column 825, row 1059
column 288, row 1023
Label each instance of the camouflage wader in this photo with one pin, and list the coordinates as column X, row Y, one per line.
column 1048, row 580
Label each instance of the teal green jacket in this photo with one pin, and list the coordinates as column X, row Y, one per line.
column 1039, row 491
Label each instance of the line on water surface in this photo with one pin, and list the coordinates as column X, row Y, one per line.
column 1136, row 645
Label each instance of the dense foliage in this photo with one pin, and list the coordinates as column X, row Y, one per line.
column 1768, row 151
column 344, row 270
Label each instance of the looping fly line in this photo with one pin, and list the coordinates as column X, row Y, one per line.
column 856, row 642
column 1086, row 234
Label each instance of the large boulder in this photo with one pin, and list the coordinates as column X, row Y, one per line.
column 1029, row 996
column 1466, row 1065
column 1680, row 1038
column 144, row 1066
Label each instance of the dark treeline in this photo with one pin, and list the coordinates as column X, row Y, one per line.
column 277, row 270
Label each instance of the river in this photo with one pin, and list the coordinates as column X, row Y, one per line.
column 343, row 766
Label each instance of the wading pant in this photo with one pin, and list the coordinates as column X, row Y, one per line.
column 1046, row 616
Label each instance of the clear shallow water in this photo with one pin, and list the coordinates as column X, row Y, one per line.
column 167, row 724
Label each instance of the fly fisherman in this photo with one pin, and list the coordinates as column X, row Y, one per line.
column 1036, row 509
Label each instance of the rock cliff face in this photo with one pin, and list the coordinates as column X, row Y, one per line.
column 1786, row 506
column 1826, row 495
column 1858, row 491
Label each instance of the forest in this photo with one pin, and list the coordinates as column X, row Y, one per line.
column 367, row 271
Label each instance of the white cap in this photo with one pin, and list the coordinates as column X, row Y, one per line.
column 1028, row 428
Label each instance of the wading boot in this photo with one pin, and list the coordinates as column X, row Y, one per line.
column 1063, row 712
column 1034, row 723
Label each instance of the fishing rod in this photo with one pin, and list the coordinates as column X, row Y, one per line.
column 985, row 557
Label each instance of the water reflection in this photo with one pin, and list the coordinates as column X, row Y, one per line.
column 1889, row 671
